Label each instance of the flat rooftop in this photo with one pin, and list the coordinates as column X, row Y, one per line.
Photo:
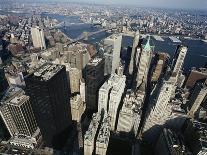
column 11, row 93
column 47, row 71
column 18, row 100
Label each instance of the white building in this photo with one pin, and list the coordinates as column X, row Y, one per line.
column 112, row 49
column 38, row 38
column 115, row 97
column 178, row 61
column 89, row 137
column 74, row 76
column 103, row 137
column 83, row 90
column 130, row 114
column 77, row 108
column 162, row 109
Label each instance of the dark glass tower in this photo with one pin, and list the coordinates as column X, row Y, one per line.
column 3, row 83
column 50, row 96
column 94, row 80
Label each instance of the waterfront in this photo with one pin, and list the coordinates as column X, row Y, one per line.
column 197, row 50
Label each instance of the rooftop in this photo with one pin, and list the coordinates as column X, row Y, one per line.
column 202, row 130
column 19, row 100
column 104, row 132
column 47, row 71
column 11, row 93
column 95, row 61
column 91, row 132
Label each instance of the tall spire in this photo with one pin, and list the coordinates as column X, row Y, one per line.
column 147, row 47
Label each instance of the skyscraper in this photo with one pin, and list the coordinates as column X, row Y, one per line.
column 112, row 49
column 117, row 90
column 178, row 60
column 3, row 83
column 48, row 89
column 90, row 135
column 195, row 75
column 162, row 109
column 94, row 79
column 144, row 63
column 197, row 96
column 38, row 38
column 17, row 113
column 133, row 54
column 130, row 114
column 102, row 141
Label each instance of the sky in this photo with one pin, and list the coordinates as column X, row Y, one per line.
column 186, row 4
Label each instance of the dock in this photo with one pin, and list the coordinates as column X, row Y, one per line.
column 175, row 40
column 158, row 38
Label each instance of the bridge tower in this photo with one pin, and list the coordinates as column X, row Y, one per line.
column 85, row 35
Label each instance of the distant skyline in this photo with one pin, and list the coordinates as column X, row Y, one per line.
column 185, row 4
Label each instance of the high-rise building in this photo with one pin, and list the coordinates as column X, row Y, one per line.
column 178, row 61
column 162, row 109
column 195, row 75
column 90, row 135
column 112, row 49
column 105, row 91
column 144, row 63
column 102, row 141
column 196, row 98
column 74, row 76
column 133, row 54
column 170, row 143
column 3, row 83
column 83, row 90
column 130, row 114
column 77, row 107
column 48, row 89
column 17, row 113
column 195, row 137
column 38, row 38
column 116, row 94
column 78, row 55
column 94, row 79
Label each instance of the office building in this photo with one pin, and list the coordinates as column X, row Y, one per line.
column 178, row 61
column 116, row 94
column 195, row 135
column 78, row 55
column 74, row 76
column 106, row 89
column 160, row 66
column 90, row 135
column 144, row 63
column 112, row 49
column 93, row 81
column 3, row 83
column 18, row 116
column 102, row 141
column 170, row 143
column 133, row 53
column 38, row 38
column 194, row 76
column 162, row 109
column 77, row 107
column 48, row 89
column 196, row 98
column 83, row 90
column 130, row 114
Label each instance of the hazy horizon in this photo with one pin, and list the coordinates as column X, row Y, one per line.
column 185, row 4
